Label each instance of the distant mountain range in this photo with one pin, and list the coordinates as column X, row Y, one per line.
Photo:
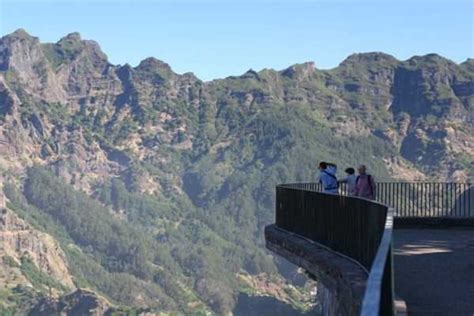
column 144, row 188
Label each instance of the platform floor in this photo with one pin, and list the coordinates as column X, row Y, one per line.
column 434, row 270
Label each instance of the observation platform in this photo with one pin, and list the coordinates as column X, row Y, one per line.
column 392, row 256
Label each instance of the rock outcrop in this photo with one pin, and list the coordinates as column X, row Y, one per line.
column 79, row 302
column 18, row 239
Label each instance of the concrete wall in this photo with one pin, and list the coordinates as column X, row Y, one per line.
column 344, row 280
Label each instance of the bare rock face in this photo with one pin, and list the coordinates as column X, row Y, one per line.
column 300, row 71
column 370, row 75
column 73, row 77
column 71, row 71
column 22, row 53
column 7, row 100
column 83, row 68
column 18, row 239
column 22, row 56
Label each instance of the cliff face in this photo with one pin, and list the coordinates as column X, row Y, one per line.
column 18, row 239
column 31, row 262
column 174, row 156
column 422, row 106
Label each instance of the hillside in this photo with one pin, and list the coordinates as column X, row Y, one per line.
column 156, row 186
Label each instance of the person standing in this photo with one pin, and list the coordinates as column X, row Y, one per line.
column 365, row 184
column 350, row 180
column 327, row 177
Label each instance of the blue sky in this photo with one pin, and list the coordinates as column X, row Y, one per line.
column 215, row 39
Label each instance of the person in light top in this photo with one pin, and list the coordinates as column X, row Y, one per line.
column 327, row 177
column 365, row 184
column 350, row 180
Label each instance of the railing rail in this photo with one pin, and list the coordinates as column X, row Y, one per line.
column 379, row 294
column 418, row 199
column 428, row 199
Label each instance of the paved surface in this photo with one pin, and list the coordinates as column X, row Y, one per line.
column 434, row 270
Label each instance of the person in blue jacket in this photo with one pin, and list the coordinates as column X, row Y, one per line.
column 327, row 177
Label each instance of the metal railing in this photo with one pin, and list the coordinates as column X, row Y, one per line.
column 362, row 229
column 379, row 295
column 357, row 228
column 419, row 199
column 428, row 199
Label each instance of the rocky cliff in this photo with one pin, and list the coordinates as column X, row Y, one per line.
column 18, row 240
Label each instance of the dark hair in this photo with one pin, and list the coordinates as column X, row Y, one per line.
column 323, row 165
column 350, row 170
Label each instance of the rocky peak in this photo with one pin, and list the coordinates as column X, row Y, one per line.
column 74, row 36
column 299, row 71
column 468, row 66
column 190, row 76
column 374, row 66
column 368, row 58
column 18, row 50
column 152, row 64
column 366, row 73
column 431, row 61
column 435, row 70
column 22, row 56
column 19, row 34
column 250, row 74
column 72, row 45
column 468, row 62
column 154, row 70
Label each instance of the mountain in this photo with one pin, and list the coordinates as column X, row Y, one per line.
column 154, row 187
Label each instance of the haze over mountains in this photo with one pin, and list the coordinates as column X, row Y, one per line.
column 151, row 189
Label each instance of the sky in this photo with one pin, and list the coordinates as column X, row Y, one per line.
column 216, row 39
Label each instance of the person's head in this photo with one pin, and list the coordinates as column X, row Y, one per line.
column 362, row 169
column 323, row 165
column 350, row 171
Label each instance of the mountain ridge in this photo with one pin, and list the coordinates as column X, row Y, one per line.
column 376, row 55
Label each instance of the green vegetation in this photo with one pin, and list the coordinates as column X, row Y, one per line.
column 10, row 261
column 38, row 279
column 119, row 260
column 17, row 301
column 62, row 52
